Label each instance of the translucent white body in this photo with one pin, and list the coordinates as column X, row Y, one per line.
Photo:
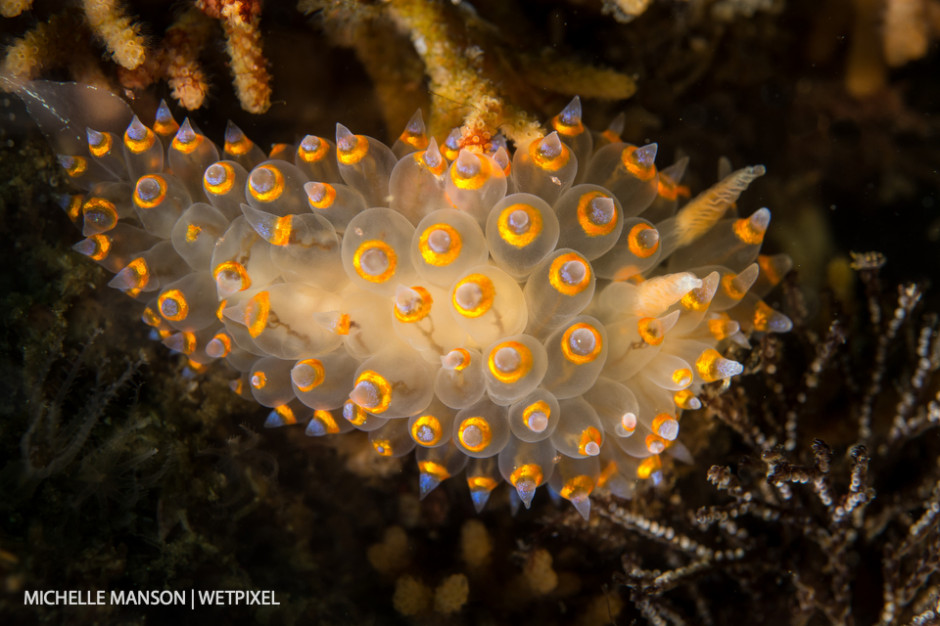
column 563, row 340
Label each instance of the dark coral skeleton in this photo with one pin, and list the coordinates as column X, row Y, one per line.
column 798, row 520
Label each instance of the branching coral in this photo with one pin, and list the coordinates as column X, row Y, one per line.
column 241, row 21
column 120, row 34
column 795, row 500
column 54, row 43
column 461, row 95
column 474, row 76
column 182, row 45
column 53, row 439
column 65, row 40
column 394, row 69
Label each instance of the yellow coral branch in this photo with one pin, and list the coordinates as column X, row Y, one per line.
column 397, row 73
column 47, row 45
column 241, row 20
column 119, row 33
column 252, row 81
column 461, row 94
column 12, row 8
column 183, row 42
column 576, row 79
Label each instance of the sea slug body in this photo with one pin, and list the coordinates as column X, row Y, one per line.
column 540, row 318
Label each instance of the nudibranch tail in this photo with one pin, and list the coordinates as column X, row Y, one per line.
column 541, row 317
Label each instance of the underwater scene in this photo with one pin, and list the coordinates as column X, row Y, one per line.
column 470, row 312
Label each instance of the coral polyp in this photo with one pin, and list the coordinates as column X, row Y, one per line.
column 540, row 316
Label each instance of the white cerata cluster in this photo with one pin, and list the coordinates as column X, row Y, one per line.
column 542, row 315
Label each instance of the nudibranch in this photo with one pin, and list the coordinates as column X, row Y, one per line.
column 542, row 316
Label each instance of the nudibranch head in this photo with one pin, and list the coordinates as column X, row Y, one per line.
column 543, row 318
